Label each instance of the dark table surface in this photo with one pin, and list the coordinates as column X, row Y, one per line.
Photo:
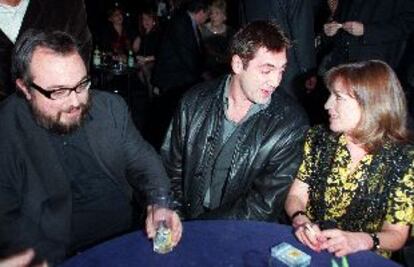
column 212, row 243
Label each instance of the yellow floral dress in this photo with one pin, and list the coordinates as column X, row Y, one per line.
column 380, row 189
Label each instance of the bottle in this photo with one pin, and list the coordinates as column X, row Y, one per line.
column 131, row 61
column 96, row 57
column 161, row 9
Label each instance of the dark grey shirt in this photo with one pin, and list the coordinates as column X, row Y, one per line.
column 100, row 209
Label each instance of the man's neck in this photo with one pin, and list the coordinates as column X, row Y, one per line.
column 239, row 105
column 10, row 2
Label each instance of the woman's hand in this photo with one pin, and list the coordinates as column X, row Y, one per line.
column 310, row 235
column 342, row 243
column 300, row 220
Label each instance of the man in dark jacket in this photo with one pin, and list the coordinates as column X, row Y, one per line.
column 179, row 63
column 295, row 17
column 179, row 59
column 16, row 16
column 71, row 159
column 369, row 29
column 235, row 144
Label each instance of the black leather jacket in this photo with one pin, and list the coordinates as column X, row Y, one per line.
column 266, row 157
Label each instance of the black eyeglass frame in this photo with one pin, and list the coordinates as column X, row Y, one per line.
column 48, row 93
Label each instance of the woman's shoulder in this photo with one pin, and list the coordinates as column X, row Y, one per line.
column 320, row 132
column 398, row 156
column 319, row 138
column 403, row 149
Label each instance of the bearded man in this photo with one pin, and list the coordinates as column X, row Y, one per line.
column 71, row 157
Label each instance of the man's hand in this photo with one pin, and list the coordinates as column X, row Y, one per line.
column 353, row 27
column 342, row 243
column 331, row 28
column 170, row 216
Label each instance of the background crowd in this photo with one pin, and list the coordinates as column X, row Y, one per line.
column 324, row 33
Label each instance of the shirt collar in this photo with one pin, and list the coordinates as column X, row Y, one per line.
column 226, row 96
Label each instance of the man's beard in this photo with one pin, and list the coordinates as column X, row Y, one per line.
column 54, row 125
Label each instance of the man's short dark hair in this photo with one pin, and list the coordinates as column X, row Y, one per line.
column 195, row 6
column 255, row 35
column 59, row 42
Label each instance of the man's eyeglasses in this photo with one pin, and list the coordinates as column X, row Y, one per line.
column 63, row 92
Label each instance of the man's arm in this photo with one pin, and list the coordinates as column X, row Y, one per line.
column 145, row 170
column 301, row 24
column 10, row 214
column 18, row 230
column 391, row 27
column 172, row 153
column 146, row 173
column 182, row 42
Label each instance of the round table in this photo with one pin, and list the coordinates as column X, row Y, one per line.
column 212, row 243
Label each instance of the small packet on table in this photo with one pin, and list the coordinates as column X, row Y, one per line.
column 290, row 255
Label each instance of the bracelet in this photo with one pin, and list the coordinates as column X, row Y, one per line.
column 297, row 213
column 375, row 241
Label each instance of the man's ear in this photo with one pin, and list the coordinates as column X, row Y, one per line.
column 23, row 88
column 236, row 64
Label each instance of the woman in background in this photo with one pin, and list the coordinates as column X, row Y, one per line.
column 115, row 39
column 216, row 37
column 355, row 188
column 145, row 45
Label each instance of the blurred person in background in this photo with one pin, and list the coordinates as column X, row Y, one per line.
column 368, row 29
column 115, row 39
column 216, row 36
column 16, row 16
column 145, row 44
column 295, row 17
column 179, row 62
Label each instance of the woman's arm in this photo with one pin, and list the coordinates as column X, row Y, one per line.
column 306, row 232
column 296, row 201
column 136, row 44
column 392, row 237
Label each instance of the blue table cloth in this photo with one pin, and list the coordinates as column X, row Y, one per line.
column 212, row 243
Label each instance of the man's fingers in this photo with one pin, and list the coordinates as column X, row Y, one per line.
column 177, row 228
column 149, row 227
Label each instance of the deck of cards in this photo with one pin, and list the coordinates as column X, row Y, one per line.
column 290, row 255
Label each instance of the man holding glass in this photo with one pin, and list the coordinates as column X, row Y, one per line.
column 71, row 159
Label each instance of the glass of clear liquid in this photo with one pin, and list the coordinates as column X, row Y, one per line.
column 162, row 242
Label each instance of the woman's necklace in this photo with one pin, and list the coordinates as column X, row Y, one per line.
column 217, row 29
